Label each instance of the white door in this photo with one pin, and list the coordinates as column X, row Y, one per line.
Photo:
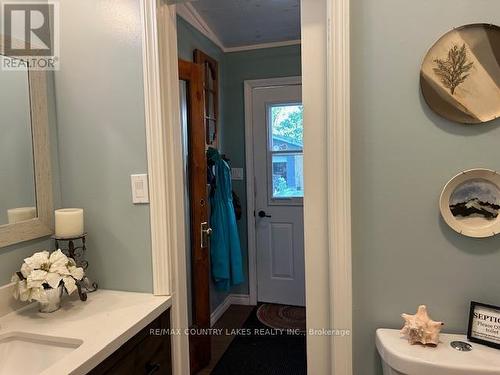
column 279, row 191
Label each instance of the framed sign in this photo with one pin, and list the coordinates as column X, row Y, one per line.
column 484, row 324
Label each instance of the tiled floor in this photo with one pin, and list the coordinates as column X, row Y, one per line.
column 234, row 317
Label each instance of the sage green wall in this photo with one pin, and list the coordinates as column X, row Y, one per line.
column 402, row 155
column 102, row 140
column 242, row 66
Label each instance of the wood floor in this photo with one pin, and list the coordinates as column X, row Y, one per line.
column 233, row 318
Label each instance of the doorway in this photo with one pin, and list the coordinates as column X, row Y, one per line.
column 327, row 211
column 276, row 270
column 275, row 154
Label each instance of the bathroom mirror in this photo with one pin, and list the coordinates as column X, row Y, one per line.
column 17, row 188
column 25, row 173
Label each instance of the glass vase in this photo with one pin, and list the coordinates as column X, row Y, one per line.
column 53, row 300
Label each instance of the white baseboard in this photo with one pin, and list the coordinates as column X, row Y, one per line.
column 240, row 299
column 231, row 299
column 220, row 310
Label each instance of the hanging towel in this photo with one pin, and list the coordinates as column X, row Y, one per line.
column 225, row 249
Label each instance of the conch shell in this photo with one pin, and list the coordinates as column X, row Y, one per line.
column 420, row 328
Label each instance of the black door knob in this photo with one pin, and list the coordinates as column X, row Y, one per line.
column 263, row 214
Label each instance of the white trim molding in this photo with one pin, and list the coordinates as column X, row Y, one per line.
column 231, row 299
column 164, row 140
column 191, row 16
column 327, row 209
column 339, row 180
column 250, row 47
column 249, row 85
column 241, row 299
column 156, row 153
column 220, row 310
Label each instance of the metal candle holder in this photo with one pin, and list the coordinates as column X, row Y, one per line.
column 78, row 254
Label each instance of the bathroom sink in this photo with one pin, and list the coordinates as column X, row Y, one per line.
column 399, row 357
column 25, row 353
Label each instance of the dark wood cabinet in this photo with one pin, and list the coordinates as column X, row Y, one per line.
column 145, row 353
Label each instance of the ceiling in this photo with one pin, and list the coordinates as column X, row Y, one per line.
column 247, row 22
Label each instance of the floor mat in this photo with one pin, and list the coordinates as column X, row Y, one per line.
column 260, row 350
column 282, row 316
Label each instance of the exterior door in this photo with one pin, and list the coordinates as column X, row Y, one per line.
column 279, row 192
column 199, row 345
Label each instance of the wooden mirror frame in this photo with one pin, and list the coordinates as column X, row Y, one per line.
column 43, row 224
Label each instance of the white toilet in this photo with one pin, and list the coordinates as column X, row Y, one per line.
column 401, row 358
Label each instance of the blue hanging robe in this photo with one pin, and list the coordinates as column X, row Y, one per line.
column 225, row 249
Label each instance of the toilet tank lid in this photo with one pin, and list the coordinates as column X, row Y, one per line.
column 396, row 352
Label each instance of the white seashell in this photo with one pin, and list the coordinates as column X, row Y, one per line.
column 420, row 328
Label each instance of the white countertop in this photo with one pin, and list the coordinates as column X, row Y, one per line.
column 103, row 323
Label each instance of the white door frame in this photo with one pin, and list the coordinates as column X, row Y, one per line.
column 166, row 175
column 327, row 210
column 250, row 172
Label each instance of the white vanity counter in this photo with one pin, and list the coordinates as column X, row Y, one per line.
column 102, row 324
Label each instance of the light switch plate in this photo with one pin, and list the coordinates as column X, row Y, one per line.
column 140, row 188
column 237, row 174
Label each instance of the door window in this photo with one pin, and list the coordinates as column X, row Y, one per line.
column 285, row 147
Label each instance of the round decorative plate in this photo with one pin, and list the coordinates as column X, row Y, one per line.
column 460, row 76
column 470, row 203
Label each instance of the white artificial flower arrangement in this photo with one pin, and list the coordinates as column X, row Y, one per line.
column 44, row 271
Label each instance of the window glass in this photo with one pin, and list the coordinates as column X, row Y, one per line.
column 210, row 105
column 288, row 177
column 286, row 144
column 286, row 127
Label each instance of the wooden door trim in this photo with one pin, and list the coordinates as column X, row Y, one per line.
column 200, row 351
column 193, row 75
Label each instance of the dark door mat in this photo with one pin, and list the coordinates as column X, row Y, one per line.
column 263, row 351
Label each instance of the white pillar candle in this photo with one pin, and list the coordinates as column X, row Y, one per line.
column 69, row 222
column 16, row 215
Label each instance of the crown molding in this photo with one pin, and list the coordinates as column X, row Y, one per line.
column 191, row 16
column 263, row 45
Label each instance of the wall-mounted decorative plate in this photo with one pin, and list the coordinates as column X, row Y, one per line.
column 460, row 76
column 470, row 203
